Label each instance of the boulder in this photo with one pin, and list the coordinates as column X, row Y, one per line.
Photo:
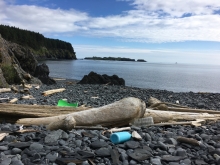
column 42, row 73
column 94, row 78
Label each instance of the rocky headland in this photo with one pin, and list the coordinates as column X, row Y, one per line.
column 19, row 56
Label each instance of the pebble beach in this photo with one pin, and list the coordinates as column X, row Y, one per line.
column 159, row 144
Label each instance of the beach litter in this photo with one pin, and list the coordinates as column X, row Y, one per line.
column 64, row 103
column 120, row 137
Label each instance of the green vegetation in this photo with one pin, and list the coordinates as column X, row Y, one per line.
column 36, row 41
column 9, row 73
column 109, row 58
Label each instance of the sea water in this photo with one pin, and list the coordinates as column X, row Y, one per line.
column 172, row 77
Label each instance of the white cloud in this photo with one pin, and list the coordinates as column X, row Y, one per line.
column 42, row 19
column 152, row 21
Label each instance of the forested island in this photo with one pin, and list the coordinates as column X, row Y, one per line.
column 41, row 46
column 113, row 59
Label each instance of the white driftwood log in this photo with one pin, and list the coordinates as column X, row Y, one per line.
column 119, row 113
column 50, row 92
column 166, row 116
column 5, row 90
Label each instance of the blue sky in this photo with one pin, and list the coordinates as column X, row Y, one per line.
column 158, row 31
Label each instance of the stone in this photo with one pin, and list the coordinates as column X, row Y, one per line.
column 140, row 154
column 36, row 146
column 17, row 162
column 94, row 78
column 98, row 144
column 15, row 151
column 42, row 73
column 132, row 144
column 155, row 161
column 53, row 136
column 6, row 161
column 103, row 152
column 20, row 145
column 52, row 156
column 3, row 148
column 170, row 158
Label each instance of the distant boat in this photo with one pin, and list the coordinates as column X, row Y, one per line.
column 176, row 63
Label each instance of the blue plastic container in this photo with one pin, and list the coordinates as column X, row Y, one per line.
column 120, row 137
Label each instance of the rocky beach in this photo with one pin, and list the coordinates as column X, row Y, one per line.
column 159, row 144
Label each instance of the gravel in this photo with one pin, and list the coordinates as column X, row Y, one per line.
column 159, row 145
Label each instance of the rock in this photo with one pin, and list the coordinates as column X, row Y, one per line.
column 52, row 156
column 20, row 145
column 103, row 152
column 42, row 73
column 132, row 144
column 136, row 136
column 36, row 146
column 94, row 78
column 140, row 154
column 98, row 144
column 170, row 158
column 6, row 161
column 53, row 136
column 15, row 151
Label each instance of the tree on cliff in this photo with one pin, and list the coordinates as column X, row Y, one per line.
column 36, row 41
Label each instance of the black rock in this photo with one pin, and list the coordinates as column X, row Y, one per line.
column 94, row 78
column 42, row 73
column 102, row 152
column 132, row 144
column 98, row 144
column 20, row 145
column 140, row 155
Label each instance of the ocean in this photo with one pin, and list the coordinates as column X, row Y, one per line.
column 171, row 77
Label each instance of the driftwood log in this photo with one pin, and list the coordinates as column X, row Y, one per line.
column 2, row 90
column 166, row 116
column 119, row 113
column 12, row 112
column 52, row 91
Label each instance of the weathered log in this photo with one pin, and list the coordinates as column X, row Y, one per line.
column 2, row 90
column 12, row 112
column 13, row 100
column 119, row 113
column 166, row 116
column 3, row 135
column 50, row 92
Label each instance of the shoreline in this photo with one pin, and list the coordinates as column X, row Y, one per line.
column 159, row 144
column 106, row 94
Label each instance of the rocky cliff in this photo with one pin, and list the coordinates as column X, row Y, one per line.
column 17, row 64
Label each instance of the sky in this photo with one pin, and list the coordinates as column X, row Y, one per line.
column 168, row 31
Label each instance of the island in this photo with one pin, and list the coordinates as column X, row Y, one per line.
column 113, row 59
column 141, row 60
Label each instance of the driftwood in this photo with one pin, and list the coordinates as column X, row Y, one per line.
column 50, row 92
column 12, row 112
column 165, row 116
column 117, row 129
column 13, row 100
column 119, row 113
column 3, row 135
column 2, row 90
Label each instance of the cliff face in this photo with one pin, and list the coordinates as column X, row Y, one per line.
column 36, row 44
column 17, row 64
